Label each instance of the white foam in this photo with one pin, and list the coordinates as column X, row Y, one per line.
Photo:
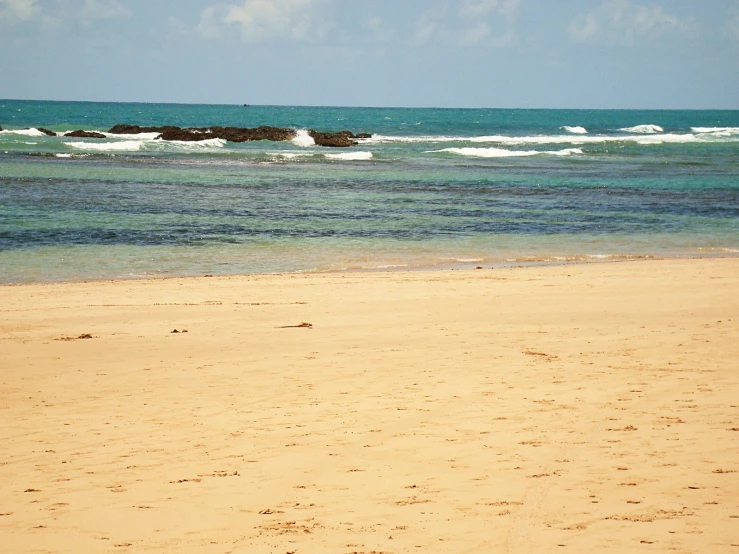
column 565, row 152
column 290, row 155
column 643, row 134
column 670, row 138
column 303, row 139
column 643, row 129
column 136, row 145
column 501, row 153
column 423, row 138
column 717, row 131
column 126, row 145
column 189, row 144
column 136, row 136
column 32, row 132
column 576, row 130
column 489, row 152
column 350, row 156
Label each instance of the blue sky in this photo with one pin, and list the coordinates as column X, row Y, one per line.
column 442, row 53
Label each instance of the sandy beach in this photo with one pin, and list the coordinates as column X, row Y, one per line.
column 577, row 408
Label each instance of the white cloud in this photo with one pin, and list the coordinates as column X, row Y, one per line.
column 475, row 34
column 426, row 27
column 623, row 21
column 57, row 14
column 377, row 29
column 265, row 20
column 477, row 8
column 469, row 23
column 211, row 22
column 584, row 28
column 19, row 9
column 103, row 9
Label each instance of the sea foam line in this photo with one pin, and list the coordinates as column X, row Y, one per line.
column 716, row 131
column 32, row 132
column 126, row 145
column 578, row 140
column 350, row 156
column 136, row 145
column 501, row 153
column 138, row 136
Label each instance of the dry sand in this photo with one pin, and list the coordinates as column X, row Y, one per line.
column 561, row 409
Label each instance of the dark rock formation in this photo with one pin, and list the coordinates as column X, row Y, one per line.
column 340, row 139
column 84, row 134
column 135, row 129
column 1, row 127
column 239, row 134
column 183, row 134
column 231, row 134
column 47, row 132
column 363, row 135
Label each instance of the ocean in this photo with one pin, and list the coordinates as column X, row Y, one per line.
column 432, row 188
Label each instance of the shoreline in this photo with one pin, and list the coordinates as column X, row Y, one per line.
column 521, row 409
column 400, row 268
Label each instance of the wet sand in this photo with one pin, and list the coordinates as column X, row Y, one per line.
column 559, row 409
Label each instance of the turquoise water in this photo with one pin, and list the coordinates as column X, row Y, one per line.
column 431, row 188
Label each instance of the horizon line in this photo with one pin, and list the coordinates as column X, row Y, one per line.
column 430, row 107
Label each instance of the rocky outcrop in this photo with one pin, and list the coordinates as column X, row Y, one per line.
column 47, row 132
column 334, row 140
column 240, row 134
column 182, row 134
column 136, row 129
column 231, row 134
column 84, row 134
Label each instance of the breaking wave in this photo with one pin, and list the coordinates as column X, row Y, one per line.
column 716, row 131
column 350, row 156
column 303, row 139
column 123, row 146
column 501, row 153
column 32, row 132
column 136, row 145
column 577, row 130
column 188, row 145
column 722, row 135
column 139, row 136
column 643, row 129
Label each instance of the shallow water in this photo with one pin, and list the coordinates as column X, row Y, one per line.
column 431, row 188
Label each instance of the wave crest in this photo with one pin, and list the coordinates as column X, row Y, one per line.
column 501, row 153
column 716, row 131
column 126, row 145
column 32, row 132
column 351, row 156
column 576, row 130
column 136, row 145
column 647, row 129
column 303, row 139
